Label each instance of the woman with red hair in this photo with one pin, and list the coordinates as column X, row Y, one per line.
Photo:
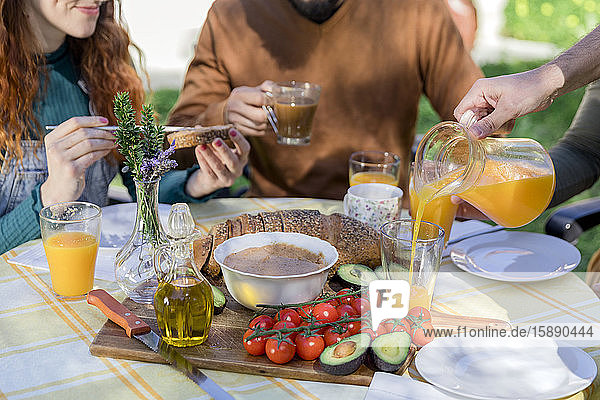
column 62, row 61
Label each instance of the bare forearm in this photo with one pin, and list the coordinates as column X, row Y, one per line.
column 579, row 65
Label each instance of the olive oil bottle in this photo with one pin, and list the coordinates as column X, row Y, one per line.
column 183, row 301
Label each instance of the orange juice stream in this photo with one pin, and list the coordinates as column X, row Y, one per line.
column 72, row 259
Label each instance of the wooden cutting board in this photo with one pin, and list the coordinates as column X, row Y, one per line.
column 224, row 351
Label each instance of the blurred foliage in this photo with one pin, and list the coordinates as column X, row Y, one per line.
column 561, row 22
column 163, row 100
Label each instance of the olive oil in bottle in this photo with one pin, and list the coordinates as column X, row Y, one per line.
column 184, row 309
column 183, row 301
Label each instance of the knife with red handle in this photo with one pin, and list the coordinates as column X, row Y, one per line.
column 136, row 328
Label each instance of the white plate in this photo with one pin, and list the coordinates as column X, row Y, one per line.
column 118, row 221
column 515, row 256
column 493, row 368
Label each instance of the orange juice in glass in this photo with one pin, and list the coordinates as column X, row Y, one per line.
column 70, row 235
column 374, row 167
column 396, row 241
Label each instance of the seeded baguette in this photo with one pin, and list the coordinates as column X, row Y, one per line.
column 191, row 137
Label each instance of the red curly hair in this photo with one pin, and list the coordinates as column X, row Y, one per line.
column 103, row 59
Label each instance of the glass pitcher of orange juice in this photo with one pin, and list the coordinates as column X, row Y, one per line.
column 511, row 180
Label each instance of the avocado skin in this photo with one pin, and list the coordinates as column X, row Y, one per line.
column 354, row 361
column 382, row 363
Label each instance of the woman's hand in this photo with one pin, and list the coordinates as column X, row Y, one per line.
column 219, row 165
column 244, row 109
column 70, row 149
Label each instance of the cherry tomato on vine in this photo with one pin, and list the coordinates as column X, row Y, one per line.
column 382, row 329
column 318, row 331
column 325, row 312
column 402, row 326
column 309, row 347
column 361, row 306
column 334, row 302
column 346, row 309
column 346, row 299
column 286, row 324
column 305, row 311
column 256, row 346
column 287, row 314
column 279, row 351
column 418, row 314
column 367, row 329
column 422, row 333
column 353, row 327
column 333, row 335
column 264, row 321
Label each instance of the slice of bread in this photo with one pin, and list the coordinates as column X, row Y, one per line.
column 193, row 136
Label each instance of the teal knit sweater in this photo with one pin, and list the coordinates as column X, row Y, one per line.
column 61, row 99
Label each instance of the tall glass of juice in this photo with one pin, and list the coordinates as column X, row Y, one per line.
column 70, row 234
column 374, row 167
column 415, row 259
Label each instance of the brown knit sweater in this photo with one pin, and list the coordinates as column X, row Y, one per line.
column 373, row 59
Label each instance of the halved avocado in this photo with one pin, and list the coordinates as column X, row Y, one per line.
column 346, row 356
column 389, row 351
column 219, row 300
column 355, row 275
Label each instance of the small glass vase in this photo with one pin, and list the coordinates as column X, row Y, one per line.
column 134, row 271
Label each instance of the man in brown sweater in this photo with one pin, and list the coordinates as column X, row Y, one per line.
column 373, row 59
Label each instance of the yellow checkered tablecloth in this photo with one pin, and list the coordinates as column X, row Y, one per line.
column 44, row 341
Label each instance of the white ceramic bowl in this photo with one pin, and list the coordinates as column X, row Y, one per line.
column 250, row 289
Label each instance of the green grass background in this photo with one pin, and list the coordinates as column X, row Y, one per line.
column 561, row 22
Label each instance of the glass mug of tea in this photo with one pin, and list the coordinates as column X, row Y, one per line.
column 291, row 110
column 70, row 235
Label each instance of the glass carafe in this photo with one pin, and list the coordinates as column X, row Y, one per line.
column 510, row 180
column 183, row 301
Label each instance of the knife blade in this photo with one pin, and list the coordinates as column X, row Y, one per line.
column 135, row 327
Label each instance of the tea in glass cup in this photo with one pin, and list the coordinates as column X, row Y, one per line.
column 292, row 110
column 70, row 235
column 374, row 167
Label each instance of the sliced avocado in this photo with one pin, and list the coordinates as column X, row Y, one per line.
column 219, row 300
column 355, row 275
column 346, row 356
column 389, row 351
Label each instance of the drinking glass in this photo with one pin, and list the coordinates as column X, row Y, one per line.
column 70, row 234
column 396, row 248
column 374, row 167
column 291, row 111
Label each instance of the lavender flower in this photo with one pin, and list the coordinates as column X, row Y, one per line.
column 154, row 167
